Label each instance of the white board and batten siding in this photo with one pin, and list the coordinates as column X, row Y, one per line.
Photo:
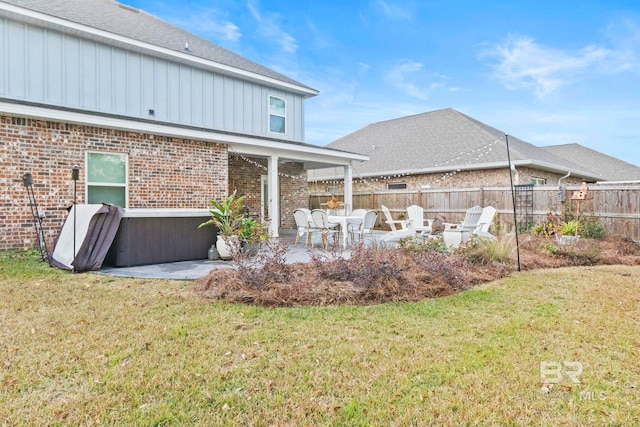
column 46, row 67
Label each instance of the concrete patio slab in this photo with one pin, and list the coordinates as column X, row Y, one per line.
column 191, row 270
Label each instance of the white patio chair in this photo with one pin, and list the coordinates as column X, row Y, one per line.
column 395, row 233
column 326, row 228
column 484, row 222
column 417, row 221
column 365, row 227
column 303, row 225
column 354, row 226
column 470, row 222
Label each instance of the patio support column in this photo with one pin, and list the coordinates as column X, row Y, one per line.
column 274, row 195
column 348, row 188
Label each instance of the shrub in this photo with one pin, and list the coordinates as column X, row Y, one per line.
column 368, row 266
column 545, row 229
column 583, row 252
column 591, row 228
column 549, row 247
column 569, row 228
column 420, row 244
column 446, row 266
column 264, row 265
column 483, row 251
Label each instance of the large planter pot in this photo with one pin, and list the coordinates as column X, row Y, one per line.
column 226, row 244
column 567, row 240
column 455, row 236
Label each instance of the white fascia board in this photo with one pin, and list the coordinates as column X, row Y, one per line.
column 162, row 50
column 242, row 144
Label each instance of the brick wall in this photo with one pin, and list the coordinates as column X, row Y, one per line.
column 479, row 178
column 245, row 176
column 163, row 172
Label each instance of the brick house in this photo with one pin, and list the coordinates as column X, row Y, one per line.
column 153, row 115
column 445, row 148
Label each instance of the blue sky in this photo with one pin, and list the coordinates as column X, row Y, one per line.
column 548, row 72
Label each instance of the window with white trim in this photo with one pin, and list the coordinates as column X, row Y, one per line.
column 538, row 181
column 277, row 115
column 107, row 178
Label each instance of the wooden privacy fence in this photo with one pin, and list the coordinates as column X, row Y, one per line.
column 617, row 205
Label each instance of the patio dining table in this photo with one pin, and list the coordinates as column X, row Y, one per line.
column 344, row 221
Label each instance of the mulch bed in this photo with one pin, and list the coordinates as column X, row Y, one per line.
column 389, row 275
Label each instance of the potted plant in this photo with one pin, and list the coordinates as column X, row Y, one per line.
column 252, row 232
column 568, row 232
column 226, row 215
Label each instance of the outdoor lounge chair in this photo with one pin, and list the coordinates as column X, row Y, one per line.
column 416, row 220
column 395, row 233
column 455, row 234
column 484, row 222
column 470, row 222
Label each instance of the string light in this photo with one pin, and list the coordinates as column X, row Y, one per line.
column 482, row 151
column 263, row 167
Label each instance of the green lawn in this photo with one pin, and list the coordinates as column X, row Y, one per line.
column 83, row 349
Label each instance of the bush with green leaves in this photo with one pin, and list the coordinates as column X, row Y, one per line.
column 591, row 228
column 569, row 228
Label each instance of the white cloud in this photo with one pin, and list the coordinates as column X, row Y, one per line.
column 407, row 77
column 394, row 11
column 524, row 64
column 208, row 23
column 625, row 37
column 268, row 26
column 363, row 68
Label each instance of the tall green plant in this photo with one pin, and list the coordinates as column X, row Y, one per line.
column 569, row 228
column 226, row 214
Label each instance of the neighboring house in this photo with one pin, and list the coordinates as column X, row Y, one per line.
column 444, row 148
column 607, row 168
column 153, row 115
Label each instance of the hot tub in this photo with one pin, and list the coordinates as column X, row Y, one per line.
column 153, row 236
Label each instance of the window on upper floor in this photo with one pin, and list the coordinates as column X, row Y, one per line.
column 107, row 178
column 538, row 181
column 277, row 115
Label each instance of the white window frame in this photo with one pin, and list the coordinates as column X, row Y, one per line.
column 88, row 183
column 284, row 115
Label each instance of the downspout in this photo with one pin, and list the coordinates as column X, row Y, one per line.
column 563, row 178
column 517, row 174
column 561, row 191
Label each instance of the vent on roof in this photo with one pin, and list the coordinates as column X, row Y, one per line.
column 129, row 8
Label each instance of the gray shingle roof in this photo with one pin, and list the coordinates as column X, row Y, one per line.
column 115, row 18
column 437, row 141
column 607, row 167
